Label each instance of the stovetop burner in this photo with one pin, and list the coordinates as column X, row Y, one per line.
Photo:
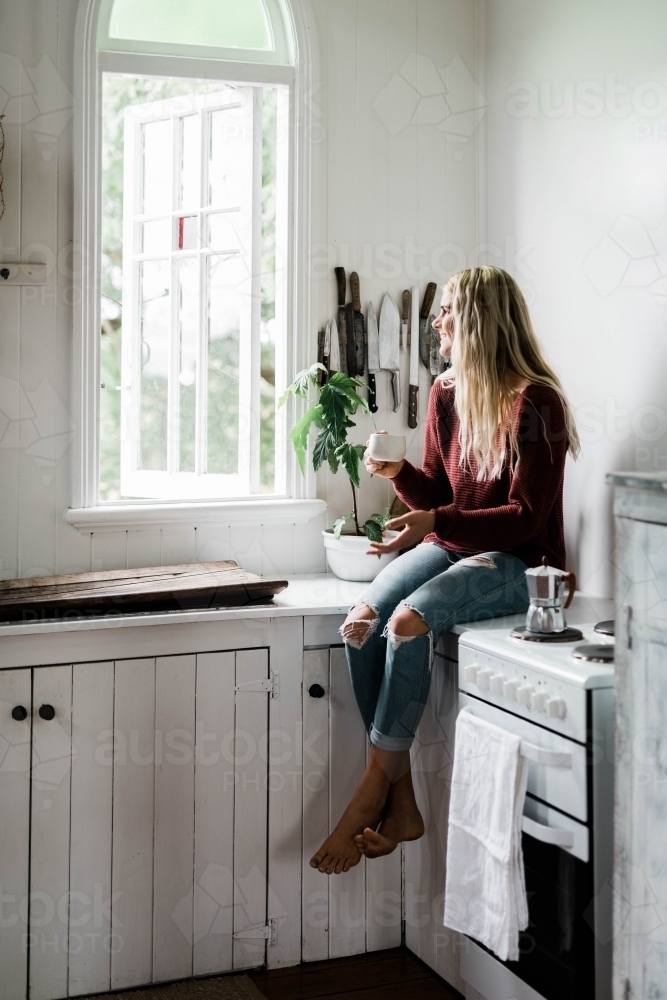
column 567, row 635
column 606, row 628
column 593, row 653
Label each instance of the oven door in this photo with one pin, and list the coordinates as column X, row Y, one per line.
column 558, row 946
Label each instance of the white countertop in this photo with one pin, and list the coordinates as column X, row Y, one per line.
column 316, row 594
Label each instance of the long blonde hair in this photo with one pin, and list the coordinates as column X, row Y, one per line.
column 494, row 348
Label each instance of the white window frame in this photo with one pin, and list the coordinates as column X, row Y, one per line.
column 86, row 511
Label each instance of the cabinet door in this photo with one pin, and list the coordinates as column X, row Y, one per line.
column 15, row 694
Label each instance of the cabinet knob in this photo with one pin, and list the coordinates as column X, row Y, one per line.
column 47, row 712
column 19, row 713
column 316, row 691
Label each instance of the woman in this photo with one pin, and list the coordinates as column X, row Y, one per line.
column 487, row 504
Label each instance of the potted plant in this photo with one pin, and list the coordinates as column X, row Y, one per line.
column 337, row 402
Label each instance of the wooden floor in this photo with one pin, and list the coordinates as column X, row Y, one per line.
column 380, row 975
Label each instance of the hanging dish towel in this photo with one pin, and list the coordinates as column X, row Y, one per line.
column 485, row 892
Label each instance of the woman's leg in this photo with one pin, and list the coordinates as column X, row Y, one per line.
column 484, row 586
column 366, row 652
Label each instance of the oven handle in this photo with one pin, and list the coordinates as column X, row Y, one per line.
column 553, row 758
column 547, row 834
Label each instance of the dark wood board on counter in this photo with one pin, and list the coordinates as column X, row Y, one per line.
column 158, row 588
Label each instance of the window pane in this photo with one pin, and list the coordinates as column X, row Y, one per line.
column 222, row 233
column 156, row 237
column 187, row 233
column 225, row 277
column 229, row 24
column 155, row 324
column 156, row 185
column 190, row 161
column 188, row 321
column 227, row 177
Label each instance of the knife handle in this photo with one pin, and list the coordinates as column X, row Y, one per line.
column 396, row 389
column 406, row 305
column 356, row 291
column 372, row 393
column 351, row 346
column 340, row 284
column 429, row 295
column 320, row 355
column 342, row 339
column 412, row 406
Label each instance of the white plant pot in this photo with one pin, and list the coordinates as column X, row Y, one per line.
column 347, row 557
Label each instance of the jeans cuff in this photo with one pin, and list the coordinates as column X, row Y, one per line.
column 393, row 743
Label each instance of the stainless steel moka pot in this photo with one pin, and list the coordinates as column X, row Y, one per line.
column 550, row 591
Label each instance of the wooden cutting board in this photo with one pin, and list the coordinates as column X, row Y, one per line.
column 159, row 588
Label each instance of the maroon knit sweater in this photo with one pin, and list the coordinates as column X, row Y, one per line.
column 522, row 512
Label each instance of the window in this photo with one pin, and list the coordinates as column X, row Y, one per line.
column 193, row 248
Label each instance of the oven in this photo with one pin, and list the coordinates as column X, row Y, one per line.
column 567, row 836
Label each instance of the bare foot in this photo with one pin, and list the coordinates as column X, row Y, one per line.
column 340, row 851
column 402, row 821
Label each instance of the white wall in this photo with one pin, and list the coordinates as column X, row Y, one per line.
column 389, row 188
column 580, row 190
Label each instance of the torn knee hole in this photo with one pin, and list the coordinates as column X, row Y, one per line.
column 402, row 625
column 483, row 561
column 357, row 632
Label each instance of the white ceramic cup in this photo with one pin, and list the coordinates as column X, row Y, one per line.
column 387, row 447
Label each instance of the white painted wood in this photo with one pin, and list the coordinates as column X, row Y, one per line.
column 220, row 513
column 250, row 808
column 214, row 814
column 109, row 550
column 245, row 542
column 90, row 930
column 15, row 690
column 315, row 886
column 174, row 817
column 322, row 630
column 285, row 794
column 133, row 808
column 277, row 549
column 143, row 547
column 309, row 547
column 347, row 756
column 177, row 546
column 50, row 834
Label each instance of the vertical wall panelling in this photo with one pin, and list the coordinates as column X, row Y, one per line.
column 278, row 548
column 212, row 542
column 214, row 814
column 177, row 546
column 133, row 809
column 14, row 828
column 90, row 930
column 347, row 755
column 174, row 816
column 109, row 550
column 50, row 833
column 284, row 756
column 308, row 546
column 250, row 813
column 143, row 547
column 315, row 885
column 246, row 546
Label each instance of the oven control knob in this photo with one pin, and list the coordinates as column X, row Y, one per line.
column 484, row 678
column 556, row 708
column 496, row 683
column 470, row 674
column 538, row 701
column 510, row 689
column 524, row 693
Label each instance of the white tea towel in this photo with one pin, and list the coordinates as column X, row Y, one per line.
column 485, row 892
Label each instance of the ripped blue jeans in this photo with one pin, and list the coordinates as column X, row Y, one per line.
column 391, row 674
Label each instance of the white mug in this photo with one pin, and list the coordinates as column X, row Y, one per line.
column 387, row 447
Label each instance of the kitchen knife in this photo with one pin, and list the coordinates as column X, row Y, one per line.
column 425, row 326
column 374, row 366
column 438, row 364
column 327, row 349
column 413, row 397
column 351, row 350
column 320, row 355
column 359, row 325
column 334, row 357
column 342, row 331
column 405, row 343
column 390, row 333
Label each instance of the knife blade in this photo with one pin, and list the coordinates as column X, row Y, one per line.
column 424, row 325
column 438, row 364
column 320, row 355
column 327, row 349
column 334, row 357
column 390, row 333
column 405, row 343
column 413, row 392
column 359, row 325
column 342, row 331
column 374, row 366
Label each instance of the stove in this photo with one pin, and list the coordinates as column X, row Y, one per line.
column 559, row 699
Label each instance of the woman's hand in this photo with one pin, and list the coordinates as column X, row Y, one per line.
column 416, row 526
column 387, row 469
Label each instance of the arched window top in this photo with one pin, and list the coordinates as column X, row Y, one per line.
column 247, row 31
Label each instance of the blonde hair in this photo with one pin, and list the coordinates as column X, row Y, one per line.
column 494, row 348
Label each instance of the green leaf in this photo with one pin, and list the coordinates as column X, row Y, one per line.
column 340, row 523
column 372, row 530
column 381, row 519
column 299, row 435
column 299, row 386
column 324, row 445
column 349, row 459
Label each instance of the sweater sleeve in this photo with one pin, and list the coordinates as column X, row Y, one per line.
column 535, row 483
column 428, row 487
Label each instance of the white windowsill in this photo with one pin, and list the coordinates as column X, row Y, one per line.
column 125, row 517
